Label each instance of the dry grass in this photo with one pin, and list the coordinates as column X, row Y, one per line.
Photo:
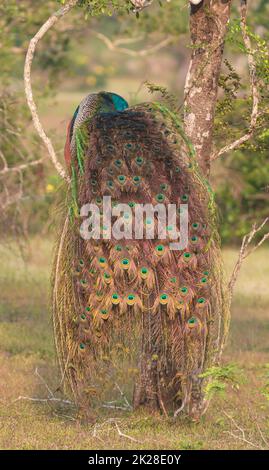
column 26, row 344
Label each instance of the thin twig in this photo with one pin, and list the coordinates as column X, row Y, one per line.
column 245, row 251
column 253, row 85
column 121, row 434
column 54, row 18
column 114, row 45
column 241, row 430
column 43, row 400
column 44, row 382
column 123, row 396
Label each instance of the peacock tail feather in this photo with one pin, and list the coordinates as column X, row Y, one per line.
column 170, row 305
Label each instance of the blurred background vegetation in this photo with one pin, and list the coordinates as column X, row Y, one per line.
column 74, row 59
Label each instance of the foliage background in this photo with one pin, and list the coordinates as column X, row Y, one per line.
column 72, row 62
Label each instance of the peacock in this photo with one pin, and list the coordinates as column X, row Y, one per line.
column 167, row 308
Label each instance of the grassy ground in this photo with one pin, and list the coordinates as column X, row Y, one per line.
column 26, row 345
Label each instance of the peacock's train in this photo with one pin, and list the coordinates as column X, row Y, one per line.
column 159, row 313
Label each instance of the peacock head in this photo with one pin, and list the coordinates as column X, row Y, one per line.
column 90, row 106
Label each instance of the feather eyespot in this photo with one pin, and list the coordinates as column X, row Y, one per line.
column 139, row 161
column 184, row 198
column 164, row 186
column 118, row 163
column 102, row 261
column 131, row 299
column 192, row 322
column 136, row 180
column 121, row 179
column 160, row 197
column 187, row 256
column 115, row 299
column 160, row 250
column 125, row 263
column 184, row 290
column 144, row 273
column 164, row 299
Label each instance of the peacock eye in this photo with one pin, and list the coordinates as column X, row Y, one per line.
column 129, row 146
column 184, row 290
column 164, row 299
column 160, row 197
column 139, row 161
column 118, row 163
column 82, row 346
column 136, row 179
column 187, row 255
column 195, row 225
column 125, row 263
column 110, row 184
column 164, row 187
column 204, row 280
column 201, row 301
column 121, row 179
column 192, row 321
column 115, row 299
column 194, row 239
column 184, row 198
column 160, row 249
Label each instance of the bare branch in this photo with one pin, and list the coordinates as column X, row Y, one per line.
column 54, row 18
column 254, row 88
column 114, row 45
column 241, row 436
column 245, row 251
column 139, row 5
column 21, row 167
column 43, row 400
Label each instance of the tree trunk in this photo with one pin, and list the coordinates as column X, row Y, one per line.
column 208, row 25
column 146, row 387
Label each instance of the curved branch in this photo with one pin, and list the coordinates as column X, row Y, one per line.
column 245, row 251
column 54, row 18
column 115, row 45
column 254, row 88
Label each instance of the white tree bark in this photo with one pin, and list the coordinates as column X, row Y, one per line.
column 54, row 18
